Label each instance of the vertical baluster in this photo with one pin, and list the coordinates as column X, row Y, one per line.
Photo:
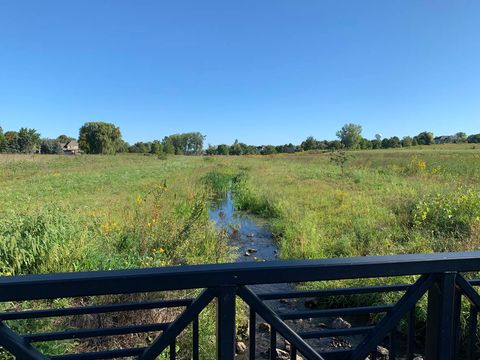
column 392, row 351
column 411, row 335
column 252, row 334
column 441, row 319
column 273, row 343
column 173, row 350
column 226, row 322
column 472, row 333
column 293, row 352
column 195, row 342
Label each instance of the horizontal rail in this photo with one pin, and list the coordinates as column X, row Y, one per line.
column 336, row 332
column 334, row 292
column 90, row 333
column 335, row 312
column 49, row 286
column 110, row 354
column 94, row 309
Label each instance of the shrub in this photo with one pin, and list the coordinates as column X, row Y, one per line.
column 448, row 215
column 36, row 243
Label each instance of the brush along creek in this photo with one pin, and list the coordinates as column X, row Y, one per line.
column 254, row 242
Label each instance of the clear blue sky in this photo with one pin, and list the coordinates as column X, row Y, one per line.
column 262, row 71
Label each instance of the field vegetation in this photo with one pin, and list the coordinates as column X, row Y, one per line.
column 91, row 212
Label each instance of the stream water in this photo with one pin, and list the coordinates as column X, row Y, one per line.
column 254, row 242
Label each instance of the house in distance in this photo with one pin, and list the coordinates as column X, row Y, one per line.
column 71, row 148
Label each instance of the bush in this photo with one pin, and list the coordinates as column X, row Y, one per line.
column 36, row 243
column 448, row 215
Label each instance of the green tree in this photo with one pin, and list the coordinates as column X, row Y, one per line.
column 64, row 139
column 28, row 140
column 186, row 143
column 3, row 143
column 268, row 150
column 393, row 142
column 472, row 139
column 236, row 148
column 366, row 144
column 310, row 143
column 376, row 144
column 211, row 150
column 425, row 138
column 407, row 141
column 50, row 146
column 350, row 135
column 223, row 149
column 460, row 138
column 168, row 147
column 11, row 142
column 156, row 147
column 100, row 138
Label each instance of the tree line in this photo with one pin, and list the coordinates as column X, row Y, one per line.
column 349, row 137
column 106, row 138
column 98, row 138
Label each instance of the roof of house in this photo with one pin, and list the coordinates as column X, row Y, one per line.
column 71, row 144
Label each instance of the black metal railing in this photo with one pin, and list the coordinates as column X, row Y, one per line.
column 443, row 278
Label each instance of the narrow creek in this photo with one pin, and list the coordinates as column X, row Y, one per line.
column 254, row 242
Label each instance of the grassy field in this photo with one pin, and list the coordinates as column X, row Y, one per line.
column 381, row 202
column 77, row 213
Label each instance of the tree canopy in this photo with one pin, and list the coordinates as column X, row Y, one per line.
column 350, row 135
column 184, row 144
column 100, row 138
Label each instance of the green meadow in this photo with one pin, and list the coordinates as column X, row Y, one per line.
column 92, row 212
column 61, row 213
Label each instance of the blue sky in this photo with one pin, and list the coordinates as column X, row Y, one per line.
column 269, row 71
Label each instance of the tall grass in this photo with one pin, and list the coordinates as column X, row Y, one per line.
column 109, row 212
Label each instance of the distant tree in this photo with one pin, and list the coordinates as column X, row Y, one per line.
column 168, row 147
column 393, row 142
column 186, row 143
column 407, row 141
column 268, row 150
column 11, row 142
column 223, row 149
column 3, row 143
column 472, row 139
column 124, row 147
column 64, row 139
column 211, row 150
column 376, row 144
column 156, row 147
column 100, row 138
column 460, row 138
column 236, row 148
column 50, row 146
column 310, row 143
column 140, row 147
column 287, row 148
column 335, row 145
column 425, row 138
column 350, row 135
column 366, row 144
column 28, row 140
column 251, row 150
column 378, row 137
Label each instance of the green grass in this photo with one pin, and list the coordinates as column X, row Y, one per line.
column 78, row 213
column 114, row 205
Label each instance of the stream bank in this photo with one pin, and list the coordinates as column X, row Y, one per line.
column 254, row 242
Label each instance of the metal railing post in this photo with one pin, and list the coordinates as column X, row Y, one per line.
column 226, row 322
column 442, row 319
